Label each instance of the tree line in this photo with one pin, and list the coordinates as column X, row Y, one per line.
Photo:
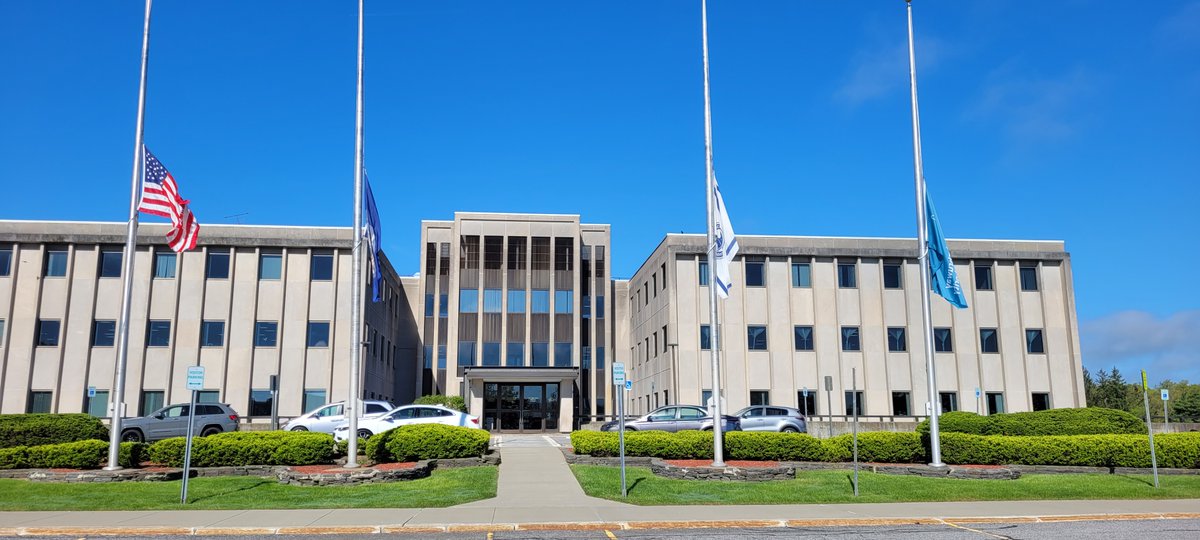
column 1110, row 389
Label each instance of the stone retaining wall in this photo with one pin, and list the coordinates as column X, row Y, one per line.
column 742, row 474
column 353, row 477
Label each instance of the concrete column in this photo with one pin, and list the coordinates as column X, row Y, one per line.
column 566, row 405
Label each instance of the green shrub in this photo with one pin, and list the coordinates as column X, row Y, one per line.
column 16, row 457
column 1175, row 450
column 132, row 454
column 248, row 448
column 87, row 454
column 594, row 443
column 343, row 447
column 427, row 441
column 452, row 402
column 1087, row 421
column 758, row 445
column 40, row 429
column 876, row 447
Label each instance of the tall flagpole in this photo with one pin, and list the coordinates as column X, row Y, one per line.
column 935, row 458
column 709, row 187
column 117, row 400
column 356, row 337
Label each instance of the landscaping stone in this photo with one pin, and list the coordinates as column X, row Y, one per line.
column 351, row 477
column 731, row 473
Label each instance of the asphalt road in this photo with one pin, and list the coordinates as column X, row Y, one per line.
column 1173, row 529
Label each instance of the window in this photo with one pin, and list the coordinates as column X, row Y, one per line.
column 756, row 338
column 995, row 402
column 564, row 301
column 212, row 333
column 270, row 266
column 318, row 334
column 466, row 353
column 599, row 307
column 152, row 400
column 801, row 275
column 654, row 279
column 901, row 404
column 599, row 357
column 164, row 265
column 705, row 396
column 491, row 353
column 428, row 304
column 847, row 276
column 491, row 300
column 158, row 333
column 260, row 403
column 754, row 273
column 989, row 340
column 6, row 261
column 850, row 339
column 313, row 399
column 1029, row 278
column 97, row 405
column 1, row 330
column 892, row 276
column 949, row 401
column 541, row 353
column 1041, row 401
column 468, row 301
column 104, row 333
column 515, row 356
column 942, row 341
column 705, row 337
column 47, row 335
column 217, row 266
column 983, row 276
column 803, row 337
column 40, row 401
column 703, row 273
column 896, row 339
column 265, row 334
column 664, row 339
column 1033, row 341
column 759, row 397
column 540, row 300
column 562, row 354
column 56, row 263
column 208, row 396
column 806, row 401
column 443, row 305
column 854, row 403
column 110, row 264
column 321, row 267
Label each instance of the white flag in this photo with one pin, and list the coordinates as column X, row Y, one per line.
column 726, row 243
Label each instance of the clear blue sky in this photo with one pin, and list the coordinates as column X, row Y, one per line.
column 1073, row 120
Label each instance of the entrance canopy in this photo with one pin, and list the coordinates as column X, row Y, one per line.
column 522, row 400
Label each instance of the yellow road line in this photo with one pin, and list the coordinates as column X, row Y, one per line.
column 489, row 535
column 610, row 535
column 977, row 531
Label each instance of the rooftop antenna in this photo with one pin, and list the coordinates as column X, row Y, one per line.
column 238, row 217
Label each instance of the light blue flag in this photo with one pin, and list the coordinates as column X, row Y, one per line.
column 371, row 232
column 942, row 276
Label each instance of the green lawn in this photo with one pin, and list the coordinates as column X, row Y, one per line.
column 836, row 487
column 443, row 488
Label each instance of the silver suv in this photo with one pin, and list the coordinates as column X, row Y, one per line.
column 326, row 417
column 674, row 418
column 772, row 418
column 171, row 421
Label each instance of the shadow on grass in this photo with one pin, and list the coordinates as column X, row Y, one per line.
column 634, row 485
column 1149, row 483
column 255, row 485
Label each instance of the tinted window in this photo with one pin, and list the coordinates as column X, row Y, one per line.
column 491, row 300
column 260, row 403
column 104, row 333
column 891, row 276
column 373, row 408
column 1033, row 341
column 801, row 275
column 803, row 338
column 847, row 275
column 321, row 267
column 850, row 339
column 468, row 301
column 705, row 337
column 989, row 340
column 158, row 334
column 6, row 261
column 164, row 265
column 754, row 273
column 1029, row 278
column 218, row 265
column 540, row 300
column 110, row 264
column 56, row 264
column 265, row 333
column 212, row 333
column 564, row 301
column 983, row 277
column 756, row 338
column 942, row 341
column 270, row 266
column 318, row 334
column 48, row 333
column 516, row 301
column 703, row 273
column 897, row 341
column 690, row 413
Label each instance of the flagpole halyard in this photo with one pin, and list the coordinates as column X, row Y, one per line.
column 356, row 337
column 117, row 400
column 710, row 195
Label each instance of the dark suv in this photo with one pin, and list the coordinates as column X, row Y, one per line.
column 171, row 421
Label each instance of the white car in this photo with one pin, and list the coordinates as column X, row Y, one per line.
column 326, row 417
column 407, row 415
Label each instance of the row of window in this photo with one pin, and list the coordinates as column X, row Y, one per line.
column 540, row 354
column 270, row 265
column 807, row 402
column 41, row 401
column 847, row 275
column 989, row 339
column 158, row 333
column 539, row 302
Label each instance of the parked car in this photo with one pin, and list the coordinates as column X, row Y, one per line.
column 772, row 418
column 172, row 421
column 407, row 415
column 326, row 417
column 675, row 418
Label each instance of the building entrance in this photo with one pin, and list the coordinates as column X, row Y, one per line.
column 520, row 407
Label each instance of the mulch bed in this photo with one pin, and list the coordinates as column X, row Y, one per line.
column 729, row 463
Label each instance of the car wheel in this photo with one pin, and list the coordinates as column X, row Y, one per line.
column 299, row 428
column 709, row 428
column 630, row 428
column 364, row 434
column 210, row 430
column 789, row 429
column 132, row 435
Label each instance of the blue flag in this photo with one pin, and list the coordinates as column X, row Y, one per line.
column 942, row 276
column 371, row 233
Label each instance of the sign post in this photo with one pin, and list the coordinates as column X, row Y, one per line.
column 618, row 372
column 195, row 382
column 1149, row 427
column 1166, row 396
column 978, row 407
column 829, row 398
column 805, row 400
column 854, row 400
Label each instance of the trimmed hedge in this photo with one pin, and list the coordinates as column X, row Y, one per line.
column 1174, row 450
column 89, row 454
column 248, row 448
column 877, row 447
column 450, row 402
column 1087, row 421
column 427, row 441
column 43, row 428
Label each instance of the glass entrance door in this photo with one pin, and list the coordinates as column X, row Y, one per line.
column 520, row 407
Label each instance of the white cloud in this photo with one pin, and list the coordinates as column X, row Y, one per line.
column 883, row 69
column 1167, row 348
column 1034, row 108
column 1180, row 30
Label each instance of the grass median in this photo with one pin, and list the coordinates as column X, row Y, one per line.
column 444, row 488
column 812, row 487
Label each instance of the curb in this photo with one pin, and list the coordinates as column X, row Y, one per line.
column 569, row 526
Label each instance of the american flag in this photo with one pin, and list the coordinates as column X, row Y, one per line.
column 160, row 196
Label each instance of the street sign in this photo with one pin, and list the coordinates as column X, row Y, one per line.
column 92, row 391
column 628, row 384
column 195, row 378
column 806, row 392
column 1166, row 395
column 976, row 391
column 618, row 371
